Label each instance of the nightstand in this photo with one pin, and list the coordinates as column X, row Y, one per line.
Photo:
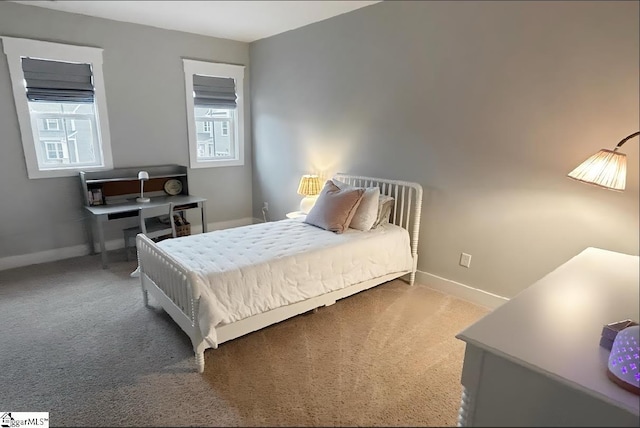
column 296, row 214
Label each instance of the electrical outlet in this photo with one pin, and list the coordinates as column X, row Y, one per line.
column 265, row 206
column 465, row 260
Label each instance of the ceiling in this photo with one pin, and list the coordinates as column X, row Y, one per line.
column 245, row 21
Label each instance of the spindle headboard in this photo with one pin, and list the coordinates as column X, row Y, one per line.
column 407, row 204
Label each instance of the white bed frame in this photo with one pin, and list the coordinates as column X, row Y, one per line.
column 176, row 290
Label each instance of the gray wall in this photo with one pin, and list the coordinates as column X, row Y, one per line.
column 487, row 104
column 144, row 83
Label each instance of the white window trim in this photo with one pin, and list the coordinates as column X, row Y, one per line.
column 15, row 49
column 236, row 72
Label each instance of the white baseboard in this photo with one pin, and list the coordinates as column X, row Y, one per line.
column 43, row 256
column 462, row 291
column 83, row 250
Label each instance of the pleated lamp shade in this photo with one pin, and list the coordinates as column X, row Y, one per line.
column 309, row 185
column 607, row 169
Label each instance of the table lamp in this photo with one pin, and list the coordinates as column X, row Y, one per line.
column 142, row 176
column 607, row 168
column 309, row 187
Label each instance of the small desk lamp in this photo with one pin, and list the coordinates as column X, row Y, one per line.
column 142, row 176
column 309, row 187
column 607, row 168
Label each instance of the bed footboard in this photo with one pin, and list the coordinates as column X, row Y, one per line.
column 174, row 287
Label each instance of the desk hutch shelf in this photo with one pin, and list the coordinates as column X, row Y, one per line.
column 120, row 184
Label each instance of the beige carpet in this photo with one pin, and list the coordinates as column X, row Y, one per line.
column 76, row 341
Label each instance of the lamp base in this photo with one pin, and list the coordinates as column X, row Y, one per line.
column 139, row 199
column 307, row 203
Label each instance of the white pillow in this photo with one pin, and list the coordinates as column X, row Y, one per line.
column 385, row 204
column 367, row 212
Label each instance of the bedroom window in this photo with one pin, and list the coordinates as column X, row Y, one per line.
column 215, row 113
column 59, row 94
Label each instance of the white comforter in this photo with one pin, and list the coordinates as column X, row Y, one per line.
column 248, row 270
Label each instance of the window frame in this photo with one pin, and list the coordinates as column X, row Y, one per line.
column 15, row 49
column 236, row 72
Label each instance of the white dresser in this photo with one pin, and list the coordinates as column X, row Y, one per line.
column 536, row 360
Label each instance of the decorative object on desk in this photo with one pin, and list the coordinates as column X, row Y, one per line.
column 142, row 176
column 173, row 187
column 607, row 168
column 96, row 197
column 623, row 368
column 309, row 187
column 611, row 330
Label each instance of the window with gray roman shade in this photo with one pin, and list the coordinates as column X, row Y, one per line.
column 55, row 81
column 214, row 92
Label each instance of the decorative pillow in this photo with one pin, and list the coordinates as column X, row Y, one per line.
column 334, row 208
column 385, row 204
column 367, row 211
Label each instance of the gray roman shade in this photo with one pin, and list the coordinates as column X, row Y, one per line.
column 216, row 92
column 56, row 81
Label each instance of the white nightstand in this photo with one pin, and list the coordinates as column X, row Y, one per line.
column 296, row 214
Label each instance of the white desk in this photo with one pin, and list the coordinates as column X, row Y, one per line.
column 536, row 360
column 102, row 213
